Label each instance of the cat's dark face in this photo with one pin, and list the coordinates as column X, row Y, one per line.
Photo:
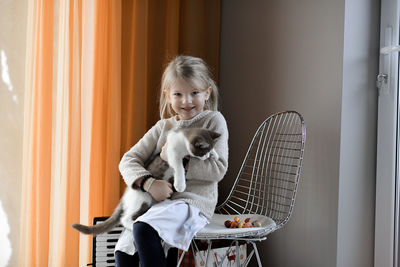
column 201, row 140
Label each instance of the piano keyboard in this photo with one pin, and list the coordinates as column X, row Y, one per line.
column 104, row 244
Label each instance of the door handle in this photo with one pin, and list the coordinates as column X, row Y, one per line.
column 390, row 49
column 383, row 78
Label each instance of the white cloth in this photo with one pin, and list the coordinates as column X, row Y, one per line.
column 175, row 221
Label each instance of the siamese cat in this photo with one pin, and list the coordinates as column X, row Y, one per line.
column 195, row 142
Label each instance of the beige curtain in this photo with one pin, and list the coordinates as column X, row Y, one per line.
column 93, row 72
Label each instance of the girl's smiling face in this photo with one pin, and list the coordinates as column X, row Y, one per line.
column 186, row 100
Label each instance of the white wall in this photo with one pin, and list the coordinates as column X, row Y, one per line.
column 12, row 58
column 289, row 54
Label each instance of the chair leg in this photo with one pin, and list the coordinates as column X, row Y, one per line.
column 237, row 254
column 256, row 252
column 249, row 257
column 208, row 250
column 181, row 258
column 195, row 250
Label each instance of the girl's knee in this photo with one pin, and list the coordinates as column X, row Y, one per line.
column 140, row 229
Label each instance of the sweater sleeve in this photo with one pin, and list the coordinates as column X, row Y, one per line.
column 132, row 163
column 215, row 167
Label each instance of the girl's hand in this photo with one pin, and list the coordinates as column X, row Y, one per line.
column 159, row 189
column 163, row 154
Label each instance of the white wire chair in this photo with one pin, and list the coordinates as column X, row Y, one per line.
column 264, row 189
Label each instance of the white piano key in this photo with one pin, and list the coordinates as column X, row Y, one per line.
column 104, row 264
column 111, row 240
column 105, row 244
column 105, row 237
column 105, row 253
column 104, row 249
column 101, row 259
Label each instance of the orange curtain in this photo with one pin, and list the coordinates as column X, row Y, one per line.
column 93, row 71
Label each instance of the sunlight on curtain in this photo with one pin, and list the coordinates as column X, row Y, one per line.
column 71, row 136
column 101, row 112
column 36, row 171
column 66, row 146
column 93, row 71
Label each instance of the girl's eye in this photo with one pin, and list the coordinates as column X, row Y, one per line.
column 177, row 94
column 195, row 92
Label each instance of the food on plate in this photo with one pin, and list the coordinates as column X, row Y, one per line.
column 228, row 223
column 256, row 223
column 238, row 223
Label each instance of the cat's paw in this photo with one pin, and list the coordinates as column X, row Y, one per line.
column 214, row 154
column 210, row 154
column 206, row 156
column 179, row 187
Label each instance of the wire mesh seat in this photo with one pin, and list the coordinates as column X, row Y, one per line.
column 265, row 187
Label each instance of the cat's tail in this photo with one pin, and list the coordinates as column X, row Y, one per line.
column 102, row 227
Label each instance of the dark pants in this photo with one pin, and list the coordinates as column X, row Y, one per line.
column 149, row 249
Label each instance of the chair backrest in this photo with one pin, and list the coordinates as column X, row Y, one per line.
column 267, row 180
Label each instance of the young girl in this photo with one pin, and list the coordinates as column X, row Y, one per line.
column 188, row 99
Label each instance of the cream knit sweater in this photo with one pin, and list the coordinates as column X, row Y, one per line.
column 202, row 175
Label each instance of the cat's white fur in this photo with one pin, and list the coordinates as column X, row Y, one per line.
column 131, row 203
column 177, row 148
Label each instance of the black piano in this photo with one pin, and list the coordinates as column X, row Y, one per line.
column 104, row 244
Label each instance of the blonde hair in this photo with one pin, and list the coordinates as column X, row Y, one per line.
column 195, row 72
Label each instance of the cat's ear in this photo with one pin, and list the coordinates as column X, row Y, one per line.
column 214, row 135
